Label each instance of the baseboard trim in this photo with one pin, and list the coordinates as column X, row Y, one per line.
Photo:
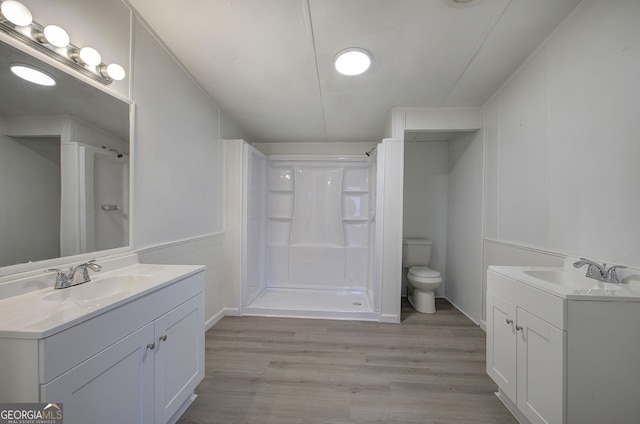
column 463, row 312
column 183, row 408
column 511, row 407
column 213, row 320
column 389, row 318
column 231, row 312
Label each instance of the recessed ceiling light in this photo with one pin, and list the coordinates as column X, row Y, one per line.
column 33, row 75
column 354, row 61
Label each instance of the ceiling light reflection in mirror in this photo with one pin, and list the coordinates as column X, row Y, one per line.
column 33, row 75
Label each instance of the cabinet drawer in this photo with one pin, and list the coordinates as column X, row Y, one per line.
column 542, row 304
column 66, row 349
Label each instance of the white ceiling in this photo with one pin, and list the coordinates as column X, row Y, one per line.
column 269, row 63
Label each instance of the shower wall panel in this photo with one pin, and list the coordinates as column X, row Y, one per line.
column 254, row 231
column 318, row 224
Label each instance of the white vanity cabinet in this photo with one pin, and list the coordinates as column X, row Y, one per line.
column 138, row 362
column 525, row 352
column 565, row 358
column 148, row 375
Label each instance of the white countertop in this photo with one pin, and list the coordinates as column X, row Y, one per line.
column 572, row 284
column 40, row 313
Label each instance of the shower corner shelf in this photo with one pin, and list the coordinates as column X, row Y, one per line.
column 281, row 190
column 355, row 219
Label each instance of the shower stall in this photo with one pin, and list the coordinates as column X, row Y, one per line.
column 95, row 199
column 308, row 236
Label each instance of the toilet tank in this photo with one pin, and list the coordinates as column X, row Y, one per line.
column 416, row 252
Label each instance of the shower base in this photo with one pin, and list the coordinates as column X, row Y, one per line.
column 304, row 303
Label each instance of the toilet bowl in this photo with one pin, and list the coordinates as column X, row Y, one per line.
column 422, row 280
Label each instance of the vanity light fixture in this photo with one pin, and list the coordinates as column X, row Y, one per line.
column 33, row 75
column 16, row 20
column 353, row 61
column 16, row 13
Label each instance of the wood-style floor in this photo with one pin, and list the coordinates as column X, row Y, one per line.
column 429, row 369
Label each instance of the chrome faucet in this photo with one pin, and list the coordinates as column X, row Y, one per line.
column 595, row 271
column 612, row 275
column 600, row 272
column 78, row 274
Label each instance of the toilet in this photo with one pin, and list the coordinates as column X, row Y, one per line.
column 423, row 281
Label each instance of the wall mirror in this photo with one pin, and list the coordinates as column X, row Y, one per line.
column 64, row 165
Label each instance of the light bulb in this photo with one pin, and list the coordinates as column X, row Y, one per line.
column 353, row 61
column 16, row 13
column 33, row 75
column 90, row 56
column 56, row 36
column 115, row 72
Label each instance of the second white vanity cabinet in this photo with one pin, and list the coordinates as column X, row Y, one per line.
column 136, row 362
column 563, row 356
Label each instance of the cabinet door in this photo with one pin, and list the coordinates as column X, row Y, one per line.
column 541, row 365
column 501, row 344
column 179, row 356
column 114, row 386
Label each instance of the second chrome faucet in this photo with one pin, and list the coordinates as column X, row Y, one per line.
column 600, row 272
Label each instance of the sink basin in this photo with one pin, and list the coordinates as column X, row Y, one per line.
column 30, row 308
column 100, row 291
column 571, row 280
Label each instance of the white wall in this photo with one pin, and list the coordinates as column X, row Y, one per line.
column 177, row 178
column 388, row 250
column 425, row 199
column 464, row 231
column 177, row 150
column 562, row 150
column 30, row 193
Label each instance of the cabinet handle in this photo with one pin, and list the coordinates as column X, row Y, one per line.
column 509, row 321
column 163, row 338
column 151, row 346
column 518, row 328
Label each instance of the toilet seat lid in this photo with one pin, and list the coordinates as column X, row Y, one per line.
column 424, row 272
